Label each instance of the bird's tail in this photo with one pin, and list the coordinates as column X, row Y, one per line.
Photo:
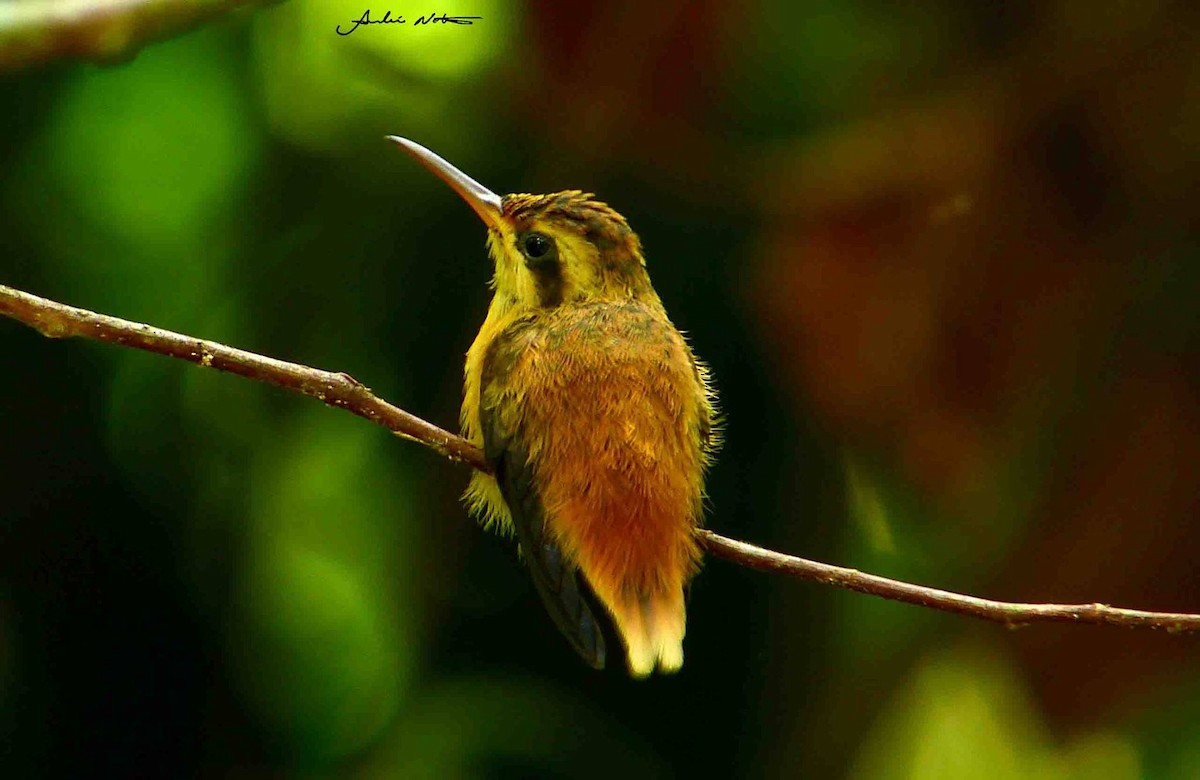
column 652, row 626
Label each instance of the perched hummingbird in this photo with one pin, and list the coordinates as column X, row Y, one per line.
column 596, row 417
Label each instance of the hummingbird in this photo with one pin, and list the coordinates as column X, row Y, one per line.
column 597, row 419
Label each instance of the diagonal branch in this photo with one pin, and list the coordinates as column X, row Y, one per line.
column 56, row 320
column 1010, row 613
column 37, row 31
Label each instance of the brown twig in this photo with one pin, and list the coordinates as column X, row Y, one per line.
column 99, row 30
column 1011, row 614
column 56, row 320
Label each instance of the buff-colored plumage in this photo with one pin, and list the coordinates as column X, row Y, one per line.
column 596, row 416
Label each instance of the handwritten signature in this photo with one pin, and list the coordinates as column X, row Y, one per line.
column 420, row 20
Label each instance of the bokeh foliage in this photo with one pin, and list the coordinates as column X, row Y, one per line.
column 942, row 259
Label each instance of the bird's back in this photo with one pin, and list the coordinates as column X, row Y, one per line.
column 607, row 411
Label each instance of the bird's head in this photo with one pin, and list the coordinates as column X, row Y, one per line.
column 565, row 247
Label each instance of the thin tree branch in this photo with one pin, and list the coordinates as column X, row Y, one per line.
column 1010, row 613
column 56, row 320
column 35, row 31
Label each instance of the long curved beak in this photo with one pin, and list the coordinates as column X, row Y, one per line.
column 485, row 202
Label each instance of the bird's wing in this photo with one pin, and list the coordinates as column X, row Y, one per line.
column 558, row 581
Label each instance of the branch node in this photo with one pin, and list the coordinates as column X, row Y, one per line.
column 51, row 326
column 357, row 385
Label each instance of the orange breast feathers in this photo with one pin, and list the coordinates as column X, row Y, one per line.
column 610, row 411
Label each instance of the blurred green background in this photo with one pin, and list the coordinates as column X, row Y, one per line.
column 943, row 260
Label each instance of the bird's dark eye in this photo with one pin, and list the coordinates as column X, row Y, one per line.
column 536, row 246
